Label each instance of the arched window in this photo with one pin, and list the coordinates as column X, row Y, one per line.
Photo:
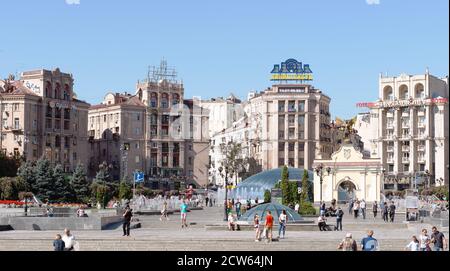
column 420, row 91
column 164, row 100
column 175, row 99
column 154, row 100
column 66, row 92
column 48, row 89
column 388, row 93
column 403, row 91
column 57, row 91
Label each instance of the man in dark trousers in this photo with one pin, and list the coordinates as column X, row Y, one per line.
column 385, row 211
column 127, row 220
column 392, row 211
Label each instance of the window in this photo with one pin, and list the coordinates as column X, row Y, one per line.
column 16, row 123
column 16, row 107
column 74, row 156
column 281, row 106
column 280, row 162
column 281, row 146
column 301, row 106
column 138, row 131
column 137, row 158
column 104, row 118
column 136, row 146
column 405, row 167
column 291, row 146
column 138, row 116
column 390, row 168
column 34, row 124
column 301, row 120
column 301, row 146
column 190, row 161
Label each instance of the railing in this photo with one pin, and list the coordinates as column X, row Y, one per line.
column 405, row 159
column 405, row 148
column 390, row 148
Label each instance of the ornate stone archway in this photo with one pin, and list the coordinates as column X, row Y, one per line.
column 346, row 189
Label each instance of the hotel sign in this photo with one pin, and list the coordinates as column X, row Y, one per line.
column 291, row 70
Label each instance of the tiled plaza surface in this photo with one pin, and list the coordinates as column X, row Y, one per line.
column 168, row 235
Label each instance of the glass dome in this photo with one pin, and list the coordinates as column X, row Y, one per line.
column 275, row 209
column 254, row 186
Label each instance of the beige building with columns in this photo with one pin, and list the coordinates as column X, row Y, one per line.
column 41, row 116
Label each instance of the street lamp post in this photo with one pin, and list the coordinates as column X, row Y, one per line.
column 319, row 171
column 222, row 172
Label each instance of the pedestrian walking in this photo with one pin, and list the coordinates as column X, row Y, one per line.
column 268, row 226
column 392, row 212
column 385, row 212
column 238, row 208
column 350, row 206
column 297, row 207
column 183, row 211
column 58, row 243
column 425, row 240
column 356, row 209
column 206, row 201
column 375, row 209
column 438, row 239
column 369, row 243
column 339, row 215
column 348, row 243
column 249, row 204
column 257, row 228
column 127, row 220
column 413, row 245
column 164, row 212
column 362, row 206
column 282, row 220
column 69, row 240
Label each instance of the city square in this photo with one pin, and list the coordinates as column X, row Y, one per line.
column 210, row 135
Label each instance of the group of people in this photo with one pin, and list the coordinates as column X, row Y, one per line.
column 358, row 208
column 266, row 229
column 66, row 242
column 368, row 243
column 434, row 242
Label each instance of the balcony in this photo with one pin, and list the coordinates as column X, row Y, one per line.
column 390, row 160
column 421, row 159
column 405, row 148
column 16, row 129
column 421, row 124
column 390, row 148
column 421, row 147
column 405, row 124
column 390, row 125
column 405, row 159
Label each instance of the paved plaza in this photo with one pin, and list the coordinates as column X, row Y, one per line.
column 168, row 235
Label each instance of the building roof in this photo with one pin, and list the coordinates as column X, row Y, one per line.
column 121, row 99
column 19, row 89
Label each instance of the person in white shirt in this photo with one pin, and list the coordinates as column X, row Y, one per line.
column 362, row 205
column 69, row 240
column 413, row 245
column 231, row 222
column 297, row 206
column 282, row 219
column 424, row 239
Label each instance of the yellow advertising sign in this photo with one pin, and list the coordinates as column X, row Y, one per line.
column 284, row 76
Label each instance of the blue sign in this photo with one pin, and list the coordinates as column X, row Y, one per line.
column 291, row 70
column 139, row 177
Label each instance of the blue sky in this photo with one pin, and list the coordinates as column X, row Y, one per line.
column 220, row 47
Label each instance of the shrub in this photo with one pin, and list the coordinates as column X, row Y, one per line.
column 306, row 208
column 267, row 196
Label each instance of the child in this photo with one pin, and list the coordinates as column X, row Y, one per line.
column 59, row 244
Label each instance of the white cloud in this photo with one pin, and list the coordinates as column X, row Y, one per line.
column 373, row 2
column 72, row 2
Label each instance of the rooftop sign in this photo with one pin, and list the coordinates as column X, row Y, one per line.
column 291, row 70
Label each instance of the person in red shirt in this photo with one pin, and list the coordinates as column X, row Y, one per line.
column 268, row 226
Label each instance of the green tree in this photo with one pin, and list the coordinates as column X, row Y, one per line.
column 61, row 186
column 304, row 196
column 284, row 185
column 125, row 191
column 27, row 173
column 103, row 187
column 44, row 180
column 10, row 187
column 233, row 159
column 9, row 165
column 267, row 196
column 80, row 184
